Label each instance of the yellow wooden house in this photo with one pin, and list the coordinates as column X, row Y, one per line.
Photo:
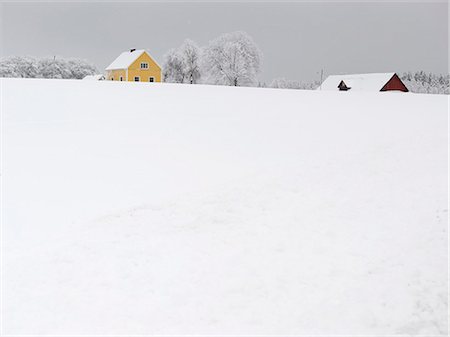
column 134, row 65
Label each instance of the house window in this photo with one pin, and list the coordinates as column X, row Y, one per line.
column 136, row 79
column 151, row 79
column 121, row 78
column 144, row 65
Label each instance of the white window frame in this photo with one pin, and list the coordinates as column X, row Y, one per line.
column 138, row 77
column 151, row 77
column 144, row 63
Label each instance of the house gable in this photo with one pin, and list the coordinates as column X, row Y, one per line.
column 144, row 58
column 395, row 83
column 152, row 71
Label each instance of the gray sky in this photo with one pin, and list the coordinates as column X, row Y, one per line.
column 296, row 38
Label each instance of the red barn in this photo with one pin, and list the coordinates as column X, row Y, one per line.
column 364, row 82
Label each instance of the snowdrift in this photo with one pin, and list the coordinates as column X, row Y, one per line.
column 137, row 208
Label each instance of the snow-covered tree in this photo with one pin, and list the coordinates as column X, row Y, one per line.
column 54, row 68
column 232, row 59
column 421, row 82
column 80, row 69
column 190, row 55
column 283, row 83
column 173, row 67
column 182, row 65
column 19, row 66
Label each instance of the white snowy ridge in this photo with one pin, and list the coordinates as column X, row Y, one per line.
column 136, row 209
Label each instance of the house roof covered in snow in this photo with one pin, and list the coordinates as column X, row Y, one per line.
column 357, row 82
column 126, row 59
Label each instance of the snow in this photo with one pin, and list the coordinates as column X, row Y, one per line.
column 124, row 60
column 190, row 209
column 96, row 77
column 357, row 82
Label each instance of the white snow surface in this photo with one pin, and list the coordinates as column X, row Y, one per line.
column 357, row 82
column 124, row 60
column 167, row 209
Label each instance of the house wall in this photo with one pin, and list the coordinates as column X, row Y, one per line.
column 395, row 83
column 114, row 75
column 153, row 69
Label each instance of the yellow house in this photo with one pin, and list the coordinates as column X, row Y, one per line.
column 134, row 65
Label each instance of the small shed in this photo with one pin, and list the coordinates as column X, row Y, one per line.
column 364, row 82
column 97, row 77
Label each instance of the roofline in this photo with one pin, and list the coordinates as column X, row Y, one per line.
column 108, row 68
column 398, row 77
column 143, row 51
column 154, row 60
column 356, row 74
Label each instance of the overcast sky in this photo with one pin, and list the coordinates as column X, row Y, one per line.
column 297, row 39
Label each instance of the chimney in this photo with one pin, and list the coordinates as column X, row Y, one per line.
column 132, row 50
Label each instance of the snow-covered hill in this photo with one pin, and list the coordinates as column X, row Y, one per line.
column 133, row 208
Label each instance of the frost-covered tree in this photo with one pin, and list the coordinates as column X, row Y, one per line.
column 283, row 83
column 182, row 65
column 190, row 55
column 54, row 68
column 19, row 66
column 174, row 69
column 80, row 69
column 421, row 82
column 232, row 59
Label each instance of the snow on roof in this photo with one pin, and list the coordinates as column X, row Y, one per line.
column 357, row 82
column 97, row 77
column 125, row 59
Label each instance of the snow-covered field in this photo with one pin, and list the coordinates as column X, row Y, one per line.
column 136, row 208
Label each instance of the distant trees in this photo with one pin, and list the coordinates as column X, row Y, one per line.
column 29, row 67
column 232, row 59
column 283, row 83
column 182, row 65
column 16, row 66
column 421, row 82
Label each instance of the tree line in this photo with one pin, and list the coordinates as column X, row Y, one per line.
column 30, row 67
column 426, row 83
